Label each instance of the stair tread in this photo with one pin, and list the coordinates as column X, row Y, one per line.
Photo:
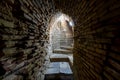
column 63, row 57
column 62, row 51
column 66, row 47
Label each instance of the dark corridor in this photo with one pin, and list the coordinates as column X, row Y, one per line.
column 25, row 44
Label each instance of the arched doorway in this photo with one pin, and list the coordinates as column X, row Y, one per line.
column 61, row 31
column 60, row 49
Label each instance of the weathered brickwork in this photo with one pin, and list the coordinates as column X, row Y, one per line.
column 23, row 26
column 97, row 38
column 97, row 48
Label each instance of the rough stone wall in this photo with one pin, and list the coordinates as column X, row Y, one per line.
column 97, row 38
column 23, row 37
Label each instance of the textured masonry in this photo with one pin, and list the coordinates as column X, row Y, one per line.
column 22, row 37
column 97, row 38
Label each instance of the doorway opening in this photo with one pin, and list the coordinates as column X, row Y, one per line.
column 61, row 33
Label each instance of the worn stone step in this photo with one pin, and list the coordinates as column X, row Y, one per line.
column 58, row 77
column 62, row 51
column 62, row 58
column 59, row 71
column 67, row 47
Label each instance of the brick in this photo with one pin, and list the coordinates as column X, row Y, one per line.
column 9, row 51
column 112, row 72
column 116, row 65
column 100, row 51
column 114, row 56
column 116, row 47
column 24, row 9
column 6, row 23
column 95, row 74
column 108, row 76
column 10, row 43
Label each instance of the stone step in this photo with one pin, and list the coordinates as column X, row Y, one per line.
column 58, row 77
column 62, row 51
column 67, row 47
column 59, row 71
column 62, row 58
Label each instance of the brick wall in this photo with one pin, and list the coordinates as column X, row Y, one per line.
column 22, row 37
column 97, row 38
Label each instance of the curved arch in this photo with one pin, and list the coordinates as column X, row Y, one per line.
column 60, row 26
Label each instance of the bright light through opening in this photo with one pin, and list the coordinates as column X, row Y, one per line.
column 71, row 23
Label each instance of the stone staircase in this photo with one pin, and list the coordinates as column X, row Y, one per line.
column 62, row 55
column 65, row 54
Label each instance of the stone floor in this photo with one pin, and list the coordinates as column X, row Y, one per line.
column 61, row 64
column 59, row 71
